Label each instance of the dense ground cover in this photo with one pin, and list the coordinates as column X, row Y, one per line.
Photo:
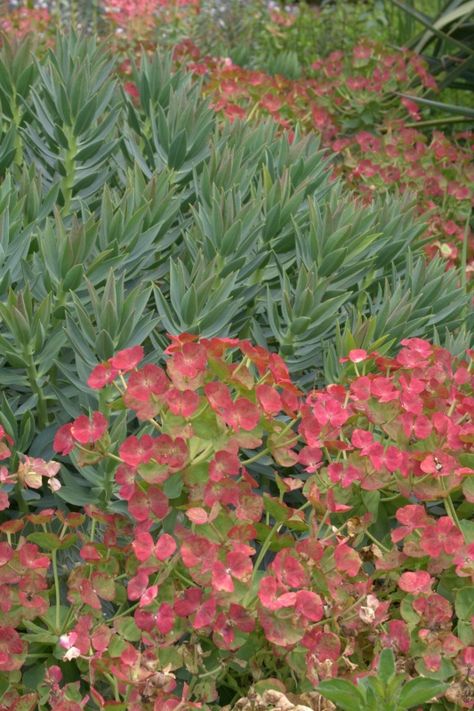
column 234, row 465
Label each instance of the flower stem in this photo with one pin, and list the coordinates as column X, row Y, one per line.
column 57, row 592
column 377, row 543
column 263, row 550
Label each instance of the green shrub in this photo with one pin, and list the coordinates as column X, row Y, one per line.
column 121, row 219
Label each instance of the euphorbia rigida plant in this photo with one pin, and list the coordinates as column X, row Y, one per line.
column 257, row 535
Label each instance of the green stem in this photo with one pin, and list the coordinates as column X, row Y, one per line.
column 71, row 611
column 93, row 526
column 256, row 457
column 263, row 550
column 36, row 388
column 266, row 450
column 114, row 684
column 57, row 592
column 377, row 543
column 448, row 502
column 16, row 115
column 70, row 168
column 391, row 498
column 323, row 521
column 438, row 122
column 20, row 499
column 464, row 251
column 204, row 454
column 211, row 672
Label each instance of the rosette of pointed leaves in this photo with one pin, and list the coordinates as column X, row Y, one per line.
column 17, row 75
column 172, row 125
column 69, row 137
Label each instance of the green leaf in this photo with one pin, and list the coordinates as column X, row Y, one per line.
column 127, row 628
column 4, row 684
column 441, row 105
column 52, row 542
column 464, row 603
column 116, row 646
column 467, row 460
column 33, row 676
column 27, row 702
column 386, row 667
column 420, row 691
column 173, row 486
column 277, row 510
column 342, row 693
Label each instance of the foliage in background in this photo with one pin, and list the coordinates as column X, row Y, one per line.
column 354, row 103
column 192, row 582
column 444, row 36
column 253, row 31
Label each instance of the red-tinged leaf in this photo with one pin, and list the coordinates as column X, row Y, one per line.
column 191, row 360
column 87, row 594
column 64, row 442
column 143, row 545
column 137, row 585
column 89, row 552
column 267, row 592
column 104, row 585
column 102, row 375
column 347, row 559
column 165, row 546
column 397, row 636
column 148, row 596
column 197, row 515
column 277, row 509
column 101, row 638
column 223, row 465
column 86, row 430
column 289, row 570
column 147, row 382
column 309, row 605
column 324, row 645
column 279, row 630
column 241, row 618
column 219, row 396
column 127, row 359
column 268, row 399
column 189, row 602
column 205, row 615
column 249, row 508
column 31, row 557
column 415, row 582
column 139, row 505
column 221, row 578
column 27, row 702
column 243, row 414
column 134, row 451
column 165, row 618
column 6, row 553
column 129, row 655
column 159, row 503
column 182, row 402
